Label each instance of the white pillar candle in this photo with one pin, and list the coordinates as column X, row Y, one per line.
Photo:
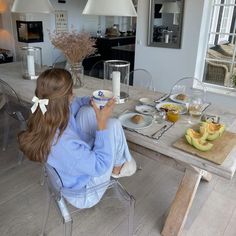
column 30, row 64
column 167, row 38
column 116, row 84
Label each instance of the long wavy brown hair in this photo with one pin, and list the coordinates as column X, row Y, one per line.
column 36, row 141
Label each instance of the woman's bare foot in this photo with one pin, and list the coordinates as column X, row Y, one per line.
column 116, row 169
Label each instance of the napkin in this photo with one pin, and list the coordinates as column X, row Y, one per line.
column 155, row 131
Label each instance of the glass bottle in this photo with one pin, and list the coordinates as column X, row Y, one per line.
column 77, row 73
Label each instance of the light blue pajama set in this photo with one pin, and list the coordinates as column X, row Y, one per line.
column 84, row 156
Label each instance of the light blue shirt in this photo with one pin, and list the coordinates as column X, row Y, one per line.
column 75, row 160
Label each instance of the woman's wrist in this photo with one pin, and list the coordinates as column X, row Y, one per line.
column 102, row 125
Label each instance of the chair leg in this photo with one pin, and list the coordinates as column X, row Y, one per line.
column 6, row 131
column 20, row 157
column 42, row 177
column 67, row 220
column 46, row 214
column 131, row 200
column 68, row 228
column 131, row 215
column 20, row 153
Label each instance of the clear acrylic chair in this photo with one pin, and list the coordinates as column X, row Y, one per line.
column 187, row 86
column 56, row 192
column 141, row 78
column 97, row 70
column 13, row 108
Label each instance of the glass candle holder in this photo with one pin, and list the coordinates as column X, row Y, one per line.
column 31, row 58
column 116, row 79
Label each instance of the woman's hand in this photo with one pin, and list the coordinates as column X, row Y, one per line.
column 104, row 114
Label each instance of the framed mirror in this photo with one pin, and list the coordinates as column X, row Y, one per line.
column 165, row 23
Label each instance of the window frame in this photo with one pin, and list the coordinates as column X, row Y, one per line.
column 204, row 45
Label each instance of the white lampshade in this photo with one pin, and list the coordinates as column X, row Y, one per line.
column 170, row 7
column 32, row 6
column 110, row 8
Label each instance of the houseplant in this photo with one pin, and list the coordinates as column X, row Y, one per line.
column 75, row 46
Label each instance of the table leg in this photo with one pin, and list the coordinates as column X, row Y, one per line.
column 182, row 203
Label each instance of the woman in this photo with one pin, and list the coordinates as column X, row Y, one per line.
column 81, row 142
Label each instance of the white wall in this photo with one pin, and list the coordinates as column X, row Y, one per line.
column 169, row 65
column 75, row 20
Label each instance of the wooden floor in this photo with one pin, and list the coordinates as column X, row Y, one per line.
column 22, row 201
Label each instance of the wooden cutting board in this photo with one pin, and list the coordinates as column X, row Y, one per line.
column 222, row 147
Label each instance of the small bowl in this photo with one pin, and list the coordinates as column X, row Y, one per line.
column 101, row 97
column 147, row 101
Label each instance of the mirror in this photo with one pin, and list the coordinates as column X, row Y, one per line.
column 165, row 23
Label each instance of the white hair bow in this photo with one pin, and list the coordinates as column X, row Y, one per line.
column 42, row 104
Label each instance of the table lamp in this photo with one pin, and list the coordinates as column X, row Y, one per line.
column 173, row 8
column 110, row 8
column 3, row 6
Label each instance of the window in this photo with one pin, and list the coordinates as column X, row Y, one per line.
column 220, row 59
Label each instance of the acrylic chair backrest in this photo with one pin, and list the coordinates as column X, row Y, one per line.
column 55, row 185
column 141, row 78
column 97, row 70
column 187, row 86
column 54, row 181
column 59, row 62
column 2, row 100
column 12, row 101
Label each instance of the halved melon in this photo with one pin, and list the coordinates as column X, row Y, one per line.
column 198, row 139
column 214, row 130
column 189, row 139
column 202, row 134
column 201, row 145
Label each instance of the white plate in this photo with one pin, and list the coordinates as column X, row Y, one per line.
column 147, row 101
column 174, row 99
column 125, row 120
column 145, row 109
column 177, row 106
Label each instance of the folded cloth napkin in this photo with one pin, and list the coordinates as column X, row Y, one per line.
column 128, row 169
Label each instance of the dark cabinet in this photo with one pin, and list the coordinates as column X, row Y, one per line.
column 104, row 45
column 105, row 50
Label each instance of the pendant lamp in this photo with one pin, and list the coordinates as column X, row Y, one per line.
column 110, row 8
column 32, row 6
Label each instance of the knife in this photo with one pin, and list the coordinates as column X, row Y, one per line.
column 159, row 130
column 164, row 97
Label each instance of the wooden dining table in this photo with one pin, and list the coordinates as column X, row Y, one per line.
column 161, row 150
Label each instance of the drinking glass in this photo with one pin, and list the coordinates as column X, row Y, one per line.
column 195, row 107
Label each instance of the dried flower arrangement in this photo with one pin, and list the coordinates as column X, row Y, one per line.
column 74, row 45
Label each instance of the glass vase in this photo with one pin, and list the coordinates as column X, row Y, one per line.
column 77, row 73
